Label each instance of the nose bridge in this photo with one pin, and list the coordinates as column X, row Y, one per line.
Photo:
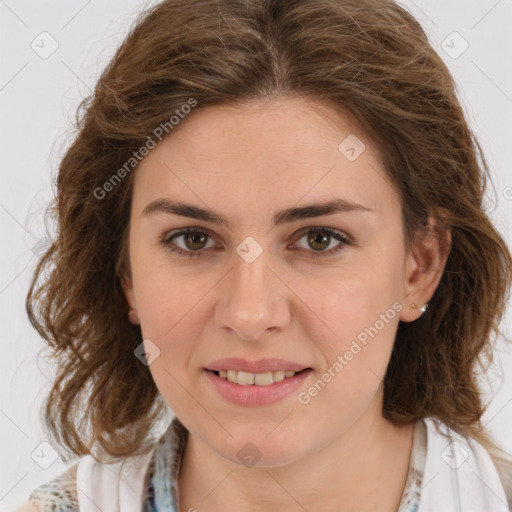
column 253, row 300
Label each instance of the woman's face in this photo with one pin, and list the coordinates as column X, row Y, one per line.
column 277, row 278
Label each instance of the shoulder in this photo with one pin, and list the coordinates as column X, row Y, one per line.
column 58, row 494
column 113, row 485
column 28, row 507
column 117, row 485
column 461, row 468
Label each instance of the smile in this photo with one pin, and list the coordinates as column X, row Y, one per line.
column 255, row 379
column 256, row 389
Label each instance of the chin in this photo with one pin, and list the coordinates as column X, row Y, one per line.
column 260, row 452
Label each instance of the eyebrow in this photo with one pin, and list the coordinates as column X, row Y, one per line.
column 288, row 215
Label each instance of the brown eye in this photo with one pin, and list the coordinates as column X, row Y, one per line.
column 320, row 239
column 194, row 242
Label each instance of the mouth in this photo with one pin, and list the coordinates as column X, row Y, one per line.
column 256, row 389
column 256, row 379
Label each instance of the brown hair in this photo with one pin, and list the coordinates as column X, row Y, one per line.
column 369, row 57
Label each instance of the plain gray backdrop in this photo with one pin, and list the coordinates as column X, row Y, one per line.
column 52, row 54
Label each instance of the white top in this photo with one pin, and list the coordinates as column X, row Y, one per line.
column 460, row 475
column 114, row 487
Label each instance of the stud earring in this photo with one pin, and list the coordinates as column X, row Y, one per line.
column 422, row 309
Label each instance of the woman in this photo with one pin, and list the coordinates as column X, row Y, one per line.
column 271, row 224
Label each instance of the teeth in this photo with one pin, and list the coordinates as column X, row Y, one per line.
column 258, row 379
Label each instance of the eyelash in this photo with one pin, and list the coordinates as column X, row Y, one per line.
column 166, row 242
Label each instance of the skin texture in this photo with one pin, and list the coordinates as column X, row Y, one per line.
column 247, row 162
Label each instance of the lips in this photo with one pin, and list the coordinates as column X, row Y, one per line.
column 256, row 367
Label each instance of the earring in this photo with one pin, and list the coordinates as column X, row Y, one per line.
column 422, row 309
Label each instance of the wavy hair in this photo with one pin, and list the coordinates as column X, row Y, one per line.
column 368, row 57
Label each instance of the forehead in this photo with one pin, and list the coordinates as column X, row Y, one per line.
column 265, row 151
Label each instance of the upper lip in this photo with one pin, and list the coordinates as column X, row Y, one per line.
column 259, row 366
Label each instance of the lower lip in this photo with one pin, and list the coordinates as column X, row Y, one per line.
column 257, row 395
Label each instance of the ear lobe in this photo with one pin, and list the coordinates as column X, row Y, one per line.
column 424, row 267
column 127, row 286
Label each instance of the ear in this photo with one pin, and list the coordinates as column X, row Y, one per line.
column 127, row 286
column 425, row 265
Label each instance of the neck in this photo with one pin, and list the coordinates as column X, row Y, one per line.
column 365, row 469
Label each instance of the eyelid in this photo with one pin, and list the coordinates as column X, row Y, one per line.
column 336, row 233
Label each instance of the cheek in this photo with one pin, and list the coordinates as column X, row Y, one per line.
column 350, row 301
column 354, row 327
column 172, row 313
column 172, row 316
column 165, row 292
column 355, row 355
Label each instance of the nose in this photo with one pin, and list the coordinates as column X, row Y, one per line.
column 253, row 300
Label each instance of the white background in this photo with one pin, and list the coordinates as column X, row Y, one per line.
column 38, row 99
